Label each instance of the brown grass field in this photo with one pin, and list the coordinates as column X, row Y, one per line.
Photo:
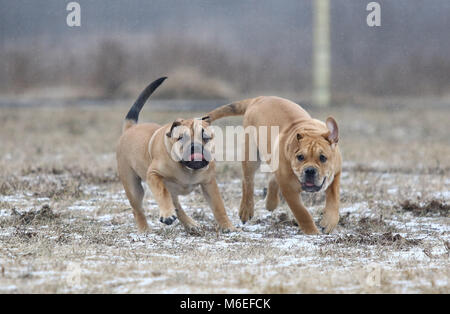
column 66, row 225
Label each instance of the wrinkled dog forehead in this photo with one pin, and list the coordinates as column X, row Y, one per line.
column 181, row 130
column 314, row 145
column 194, row 128
column 201, row 128
column 197, row 128
column 189, row 128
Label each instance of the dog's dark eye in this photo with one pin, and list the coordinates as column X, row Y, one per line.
column 180, row 138
column 322, row 158
column 300, row 157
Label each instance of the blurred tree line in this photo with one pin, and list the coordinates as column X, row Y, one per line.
column 222, row 49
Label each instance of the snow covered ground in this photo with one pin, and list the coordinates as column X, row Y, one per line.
column 66, row 225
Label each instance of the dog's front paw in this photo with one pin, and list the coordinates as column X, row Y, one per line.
column 168, row 220
column 228, row 229
column 309, row 228
column 272, row 202
column 193, row 229
column 245, row 213
column 144, row 230
column 142, row 224
column 329, row 221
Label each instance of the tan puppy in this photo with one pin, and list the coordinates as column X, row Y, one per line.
column 309, row 158
column 173, row 159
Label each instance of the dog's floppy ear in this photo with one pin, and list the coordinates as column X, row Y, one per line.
column 333, row 134
column 176, row 123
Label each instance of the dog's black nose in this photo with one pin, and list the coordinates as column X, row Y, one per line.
column 310, row 172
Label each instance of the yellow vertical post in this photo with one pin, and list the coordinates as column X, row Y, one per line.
column 321, row 54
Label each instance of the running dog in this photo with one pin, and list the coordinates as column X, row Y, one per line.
column 309, row 158
column 173, row 159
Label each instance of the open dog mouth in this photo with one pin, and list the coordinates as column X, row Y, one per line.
column 195, row 161
column 311, row 187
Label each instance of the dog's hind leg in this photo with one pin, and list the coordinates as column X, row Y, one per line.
column 273, row 194
column 246, row 209
column 249, row 167
column 135, row 193
column 189, row 224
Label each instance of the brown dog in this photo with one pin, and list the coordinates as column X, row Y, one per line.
column 309, row 158
column 173, row 160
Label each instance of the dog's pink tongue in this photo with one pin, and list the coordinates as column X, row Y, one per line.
column 309, row 184
column 196, row 157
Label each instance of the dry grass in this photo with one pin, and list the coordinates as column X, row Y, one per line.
column 66, row 225
column 431, row 208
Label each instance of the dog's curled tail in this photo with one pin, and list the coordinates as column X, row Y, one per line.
column 133, row 114
column 234, row 109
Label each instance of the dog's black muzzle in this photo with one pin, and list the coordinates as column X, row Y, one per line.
column 309, row 179
column 312, row 188
column 196, row 157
